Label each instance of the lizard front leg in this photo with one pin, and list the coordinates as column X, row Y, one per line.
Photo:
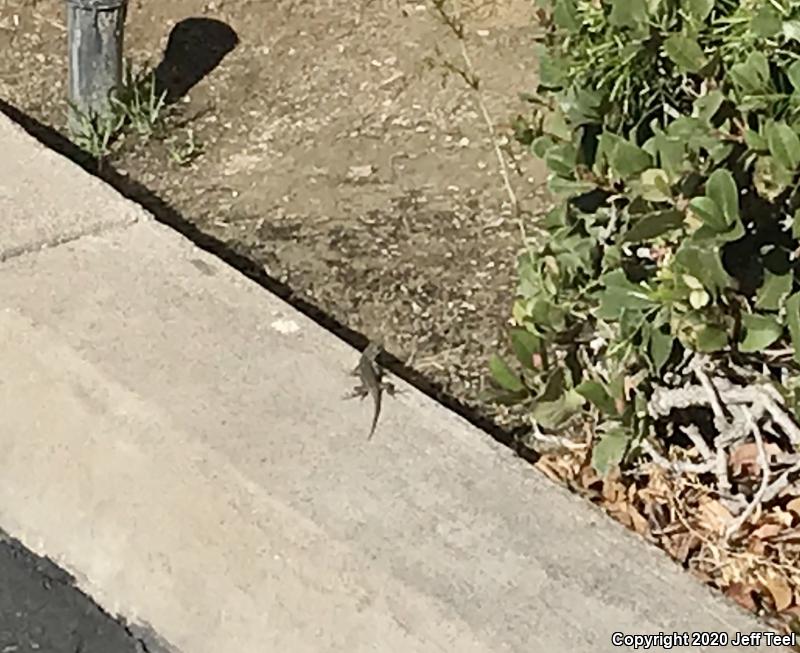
column 359, row 391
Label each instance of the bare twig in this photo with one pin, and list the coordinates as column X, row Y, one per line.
column 780, row 417
column 758, row 497
column 554, row 440
column 780, row 483
column 675, row 467
column 693, row 433
column 738, row 411
column 712, row 392
column 723, row 482
column 472, row 80
column 757, row 398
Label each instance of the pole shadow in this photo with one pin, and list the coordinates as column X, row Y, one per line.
column 196, row 46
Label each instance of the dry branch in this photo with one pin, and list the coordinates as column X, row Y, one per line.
column 738, row 414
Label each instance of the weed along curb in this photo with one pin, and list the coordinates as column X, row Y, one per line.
column 95, row 31
column 109, row 98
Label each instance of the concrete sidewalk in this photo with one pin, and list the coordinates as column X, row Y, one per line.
column 175, row 437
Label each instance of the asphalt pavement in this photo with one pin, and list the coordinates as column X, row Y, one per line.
column 41, row 610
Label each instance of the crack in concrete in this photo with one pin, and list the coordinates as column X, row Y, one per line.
column 63, row 239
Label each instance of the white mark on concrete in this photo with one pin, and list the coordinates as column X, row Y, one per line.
column 285, row 326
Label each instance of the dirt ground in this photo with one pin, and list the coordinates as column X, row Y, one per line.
column 338, row 157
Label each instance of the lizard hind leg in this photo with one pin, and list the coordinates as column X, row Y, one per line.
column 390, row 389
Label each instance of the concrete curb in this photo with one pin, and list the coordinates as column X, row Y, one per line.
column 45, row 203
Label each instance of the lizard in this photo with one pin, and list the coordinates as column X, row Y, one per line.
column 370, row 374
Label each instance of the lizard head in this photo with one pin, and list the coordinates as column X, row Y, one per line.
column 372, row 350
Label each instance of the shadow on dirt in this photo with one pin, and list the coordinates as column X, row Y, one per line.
column 239, row 258
column 195, row 47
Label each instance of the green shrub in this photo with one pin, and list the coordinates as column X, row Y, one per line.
column 670, row 131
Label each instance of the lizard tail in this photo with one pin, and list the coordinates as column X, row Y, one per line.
column 372, row 430
column 375, row 416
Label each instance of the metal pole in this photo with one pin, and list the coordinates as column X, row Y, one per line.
column 94, row 34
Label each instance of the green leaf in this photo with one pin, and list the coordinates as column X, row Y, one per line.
column 631, row 321
column 793, row 73
column 529, row 277
column 721, row 188
column 628, row 13
column 547, row 315
column 693, row 282
column 555, row 124
column 671, row 154
column 596, row 393
column 709, row 212
column 706, row 106
column 774, row 291
column 560, row 159
column 660, row 348
column 685, row 52
column 565, row 15
column 525, row 345
column 552, row 414
column 784, row 144
column 687, row 128
column 555, row 386
column 556, row 217
column 711, row 339
column 755, row 141
column 620, row 294
column 752, row 76
column 767, row 22
column 698, row 299
column 719, row 151
column 502, row 397
column 605, row 146
column 504, row 375
column 628, row 159
column 582, row 105
column 703, row 261
column 760, row 332
column 793, row 320
column 698, row 9
column 541, row 144
column 569, row 187
column 791, row 30
column 655, row 185
column 770, row 177
column 552, row 71
column 610, row 449
column 653, row 225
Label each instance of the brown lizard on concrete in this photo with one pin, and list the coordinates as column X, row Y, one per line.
column 371, row 375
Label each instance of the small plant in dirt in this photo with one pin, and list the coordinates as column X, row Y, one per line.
column 658, row 303
column 138, row 107
column 140, row 102
column 96, row 134
column 185, row 152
